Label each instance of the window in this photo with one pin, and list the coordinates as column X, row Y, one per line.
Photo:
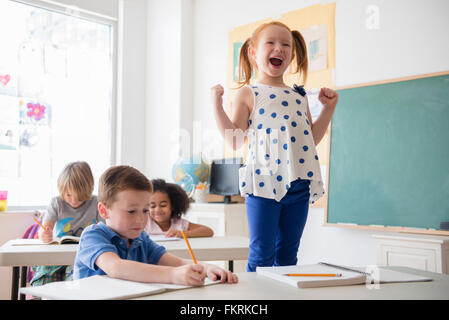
column 56, row 102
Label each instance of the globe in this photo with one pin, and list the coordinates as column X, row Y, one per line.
column 188, row 172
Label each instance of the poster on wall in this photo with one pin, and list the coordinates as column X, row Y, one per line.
column 9, row 122
column 9, row 110
column 33, row 112
column 316, row 42
column 8, row 82
column 236, row 52
column 9, row 137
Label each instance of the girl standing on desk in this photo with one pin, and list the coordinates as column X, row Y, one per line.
column 282, row 172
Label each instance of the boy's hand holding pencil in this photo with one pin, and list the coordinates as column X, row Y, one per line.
column 211, row 271
column 189, row 274
column 45, row 233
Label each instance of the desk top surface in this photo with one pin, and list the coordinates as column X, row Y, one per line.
column 252, row 286
column 212, row 248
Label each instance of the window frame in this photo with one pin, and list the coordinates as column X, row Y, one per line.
column 96, row 18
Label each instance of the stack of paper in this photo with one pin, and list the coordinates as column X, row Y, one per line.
column 345, row 275
column 281, row 274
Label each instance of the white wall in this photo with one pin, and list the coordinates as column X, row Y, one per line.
column 169, row 86
column 131, row 80
column 411, row 40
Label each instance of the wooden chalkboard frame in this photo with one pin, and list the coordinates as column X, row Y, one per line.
column 371, row 227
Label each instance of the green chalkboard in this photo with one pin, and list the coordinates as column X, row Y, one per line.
column 389, row 155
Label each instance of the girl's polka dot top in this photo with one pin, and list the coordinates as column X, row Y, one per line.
column 280, row 144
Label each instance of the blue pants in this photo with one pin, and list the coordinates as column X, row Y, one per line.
column 275, row 228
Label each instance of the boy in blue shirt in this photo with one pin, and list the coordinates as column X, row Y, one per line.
column 121, row 249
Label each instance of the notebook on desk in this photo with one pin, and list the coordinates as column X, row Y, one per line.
column 282, row 274
column 301, row 276
column 31, row 242
column 101, row 288
column 381, row 275
column 162, row 238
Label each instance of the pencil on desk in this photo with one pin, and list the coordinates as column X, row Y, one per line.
column 39, row 224
column 188, row 246
column 313, row 274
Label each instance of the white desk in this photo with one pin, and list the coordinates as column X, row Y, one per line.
column 255, row 287
column 205, row 249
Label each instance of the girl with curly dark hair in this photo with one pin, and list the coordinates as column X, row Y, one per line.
column 168, row 203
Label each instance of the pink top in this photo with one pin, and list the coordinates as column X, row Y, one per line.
column 152, row 228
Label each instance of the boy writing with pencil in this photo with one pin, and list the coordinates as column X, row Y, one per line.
column 67, row 215
column 121, row 249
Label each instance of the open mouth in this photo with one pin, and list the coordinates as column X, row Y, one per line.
column 276, row 61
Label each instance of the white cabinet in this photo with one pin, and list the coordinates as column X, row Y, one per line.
column 12, row 226
column 425, row 252
column 224, row 219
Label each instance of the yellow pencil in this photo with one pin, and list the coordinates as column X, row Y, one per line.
column 188, row 246
column 40, row 224
column 313, row 274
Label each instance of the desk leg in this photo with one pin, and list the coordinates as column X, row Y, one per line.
column 15, row 283
column 231, row 265
column 23, row 280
